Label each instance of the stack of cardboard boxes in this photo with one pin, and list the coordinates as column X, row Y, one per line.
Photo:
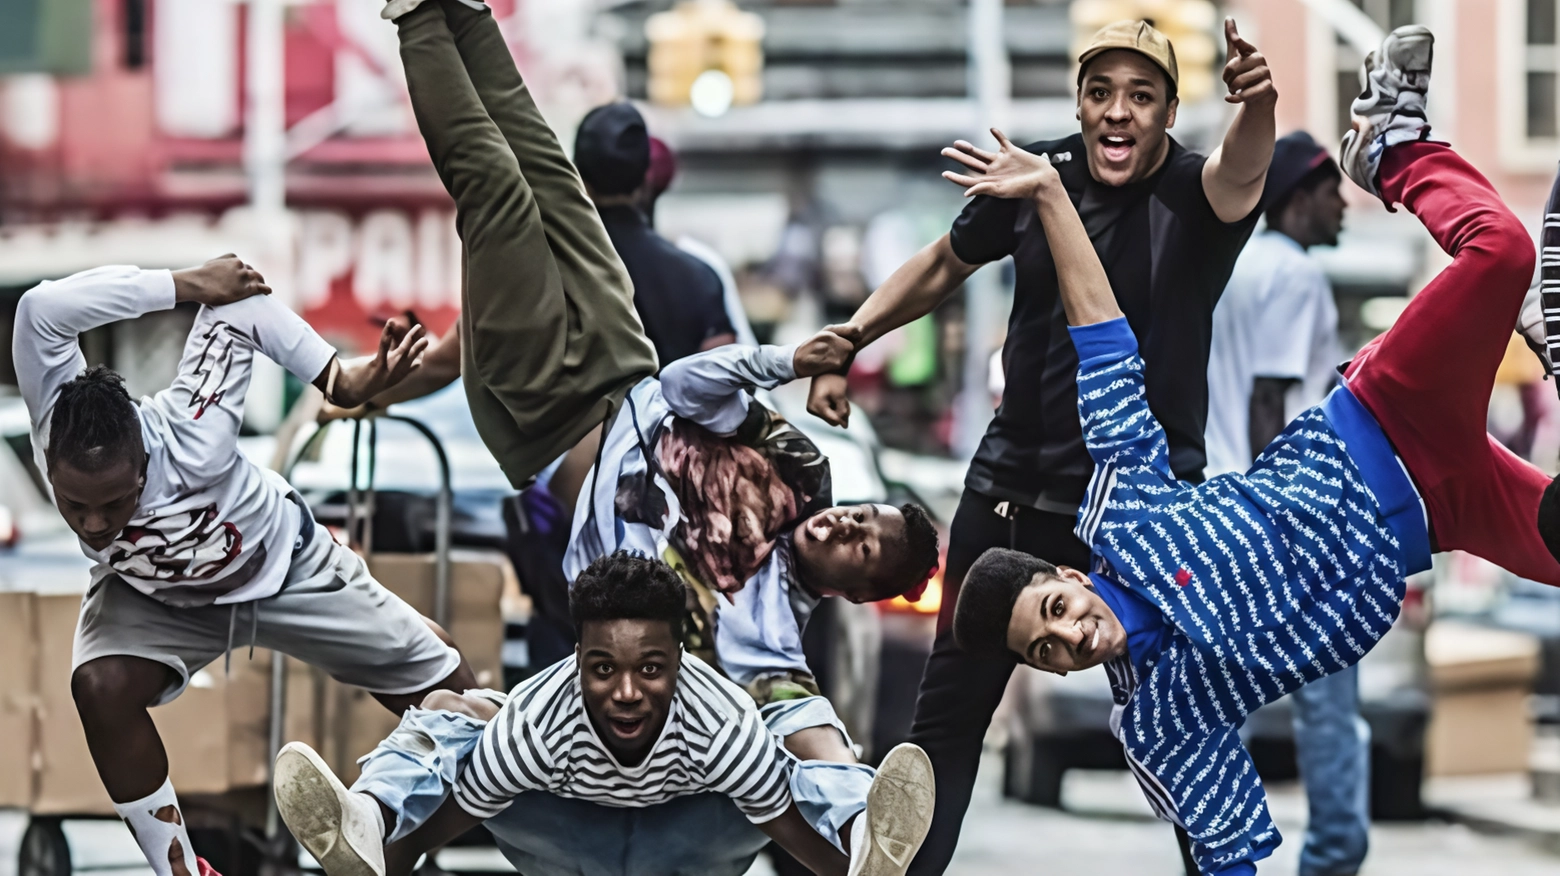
column 217, row 732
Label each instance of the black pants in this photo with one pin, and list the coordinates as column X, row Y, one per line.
column 959, row 693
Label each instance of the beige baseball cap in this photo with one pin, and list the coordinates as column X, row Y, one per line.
column 1136, row 36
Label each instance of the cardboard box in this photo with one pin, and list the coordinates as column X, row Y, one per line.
column 1480, row 679
column 18, row 697
column 217, row 732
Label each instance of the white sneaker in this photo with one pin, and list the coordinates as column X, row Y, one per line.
column 343, row 830
column 396, row 8
column 885, row 837
column 1391, row 106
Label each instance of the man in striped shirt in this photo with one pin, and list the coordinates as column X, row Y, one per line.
column 1207, row 601
column 631, row 757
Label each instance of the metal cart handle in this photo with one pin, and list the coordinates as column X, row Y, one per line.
column 441, row 581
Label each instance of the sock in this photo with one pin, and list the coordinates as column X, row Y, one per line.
column 157, row 823
column 379, row 814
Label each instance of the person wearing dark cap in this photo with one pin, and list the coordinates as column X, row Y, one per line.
column 1168, row 224
column 679, row 298
column 1275, row 353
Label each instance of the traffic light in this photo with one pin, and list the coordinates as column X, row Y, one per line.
column 1188, row 24
column 46, row 36
column 706, row 52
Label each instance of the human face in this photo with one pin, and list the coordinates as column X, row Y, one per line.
column 1324, row 206
column 841, row 549
column 628, row 674
column 1061, row 625
column 1124, row 106
column 98, row 505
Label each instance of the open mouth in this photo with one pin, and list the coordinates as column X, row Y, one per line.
column 820, row 528
column 625, row 728
column 1117, row 147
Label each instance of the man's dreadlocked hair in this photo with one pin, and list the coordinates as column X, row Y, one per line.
column 94, row 424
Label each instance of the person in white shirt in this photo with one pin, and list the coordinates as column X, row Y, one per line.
column 630, row 757
column 1275, row 352
column 196, row 550
column 1275, row 330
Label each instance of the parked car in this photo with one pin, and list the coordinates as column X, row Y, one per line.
column 1060, row 723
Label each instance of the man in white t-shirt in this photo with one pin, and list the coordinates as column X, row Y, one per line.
column 196, row 550
column 1275, row 330
column 631, row 757
column 1275, row 352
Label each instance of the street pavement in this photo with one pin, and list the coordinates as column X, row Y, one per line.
column 1105, row 830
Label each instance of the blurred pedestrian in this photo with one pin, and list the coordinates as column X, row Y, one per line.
column 1275, row 353
column 1168, row 224
column 680, row 299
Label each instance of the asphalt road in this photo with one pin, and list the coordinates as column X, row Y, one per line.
column 1106, row 830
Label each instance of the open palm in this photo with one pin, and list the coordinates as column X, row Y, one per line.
column 1010, row 172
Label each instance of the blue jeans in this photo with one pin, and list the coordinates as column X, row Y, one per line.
column 544, row 834
column 1332, row 745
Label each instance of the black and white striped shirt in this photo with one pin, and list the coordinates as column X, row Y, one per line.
column 542, row 740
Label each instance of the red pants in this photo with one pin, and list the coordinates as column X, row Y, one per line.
column 1428, row 380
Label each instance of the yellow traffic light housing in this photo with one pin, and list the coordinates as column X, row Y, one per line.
column 696, row 37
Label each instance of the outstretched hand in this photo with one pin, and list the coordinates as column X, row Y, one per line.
column 1246, row 72
column 223, row 280
column 1010, row 172
column 400, row 353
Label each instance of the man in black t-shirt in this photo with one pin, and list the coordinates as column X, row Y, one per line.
column 1168, row 224
column 680, row 299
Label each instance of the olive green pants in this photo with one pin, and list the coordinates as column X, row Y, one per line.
column 550, row 342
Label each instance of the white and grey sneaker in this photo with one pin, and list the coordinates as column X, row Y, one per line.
column 1391, row 107
column 396, row 8
column 343, row 830
column 885, row 837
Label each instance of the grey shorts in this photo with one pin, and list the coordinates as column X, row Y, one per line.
column 330, row 614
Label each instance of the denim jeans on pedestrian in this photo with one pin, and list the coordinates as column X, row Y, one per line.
column 544, row 834
column 1332, row 745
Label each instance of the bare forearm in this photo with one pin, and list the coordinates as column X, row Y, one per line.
column 792, row 833
column 911, row 292
column 1086, row 294
column 1234, row 175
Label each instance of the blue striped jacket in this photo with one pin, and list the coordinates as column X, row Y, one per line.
column 1270, row 580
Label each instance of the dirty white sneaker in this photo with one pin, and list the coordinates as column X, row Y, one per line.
column 343, row 830
column 1390, row 110
column 885, row 837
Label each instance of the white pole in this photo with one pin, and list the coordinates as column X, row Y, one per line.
column 991, row 87
column 265, row 163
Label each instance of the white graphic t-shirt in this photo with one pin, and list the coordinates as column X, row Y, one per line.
column 211, row 526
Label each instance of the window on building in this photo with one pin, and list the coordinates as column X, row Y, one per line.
column 1541, row 65
column 132, row 24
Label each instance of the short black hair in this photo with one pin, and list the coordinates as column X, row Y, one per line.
column 987, row 596
column 1171, row 91
column 1315, row 178
column 94, row 424
column 917, row 553
column 624, row 586
column 1549, row 517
